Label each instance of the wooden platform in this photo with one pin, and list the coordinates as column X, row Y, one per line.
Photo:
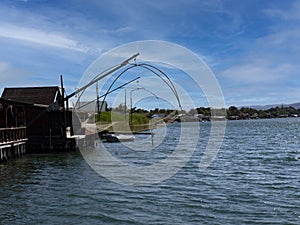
column 12, row 143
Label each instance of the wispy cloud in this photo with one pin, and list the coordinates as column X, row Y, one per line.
column 284, row 39
column 253, row 48
column 257, row 72
column 265, row 68
column 9, row 75
column 285, row 12
column 40, row 37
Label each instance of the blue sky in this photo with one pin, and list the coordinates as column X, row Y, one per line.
column 252, row 46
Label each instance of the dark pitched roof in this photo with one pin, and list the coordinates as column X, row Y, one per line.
column 35, row 95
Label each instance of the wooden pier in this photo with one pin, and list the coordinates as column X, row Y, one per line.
column 12, row 129
column 12, row 143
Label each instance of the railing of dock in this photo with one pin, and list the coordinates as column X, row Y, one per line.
column 13, row 134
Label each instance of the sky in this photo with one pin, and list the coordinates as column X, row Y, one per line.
column 251, row 46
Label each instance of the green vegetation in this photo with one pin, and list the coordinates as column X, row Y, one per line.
column 250, row 113
column 204, row 111
column 138, row 121
column 139, row 118
column 104, row 116
column 234, row 113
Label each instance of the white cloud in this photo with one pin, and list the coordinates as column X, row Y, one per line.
column 284, row 38
column 6, row 71
column 267, row 72
column 249, row 63
column 11, row 76
column 41, row 37
column 257, row 72
column 287, row 14
column 271, row 58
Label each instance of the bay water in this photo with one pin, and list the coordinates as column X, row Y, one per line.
column 255, row 179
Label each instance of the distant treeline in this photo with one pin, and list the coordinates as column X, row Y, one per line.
column 232, row 113
column 235, row 113
column 250, row 113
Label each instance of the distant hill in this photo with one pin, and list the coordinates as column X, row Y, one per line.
column 265, row 107
column 295, row 105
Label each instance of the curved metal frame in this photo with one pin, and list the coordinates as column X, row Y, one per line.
column 151, row 69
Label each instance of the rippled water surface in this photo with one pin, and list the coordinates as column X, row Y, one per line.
column 255, row 179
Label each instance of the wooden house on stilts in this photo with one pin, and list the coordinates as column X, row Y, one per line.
column 45, row 118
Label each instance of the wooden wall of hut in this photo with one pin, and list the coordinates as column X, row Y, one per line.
column 46, row 130
column 12, row 114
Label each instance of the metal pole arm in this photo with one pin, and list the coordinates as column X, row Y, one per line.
column 101, row 77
